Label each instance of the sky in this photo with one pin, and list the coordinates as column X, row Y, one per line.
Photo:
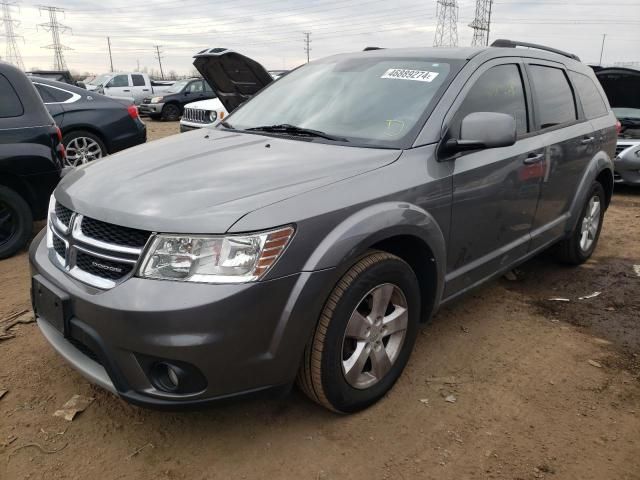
column 272, row 31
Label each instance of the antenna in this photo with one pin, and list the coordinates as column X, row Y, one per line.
column 447, row 24
column 481, row 25
column 56, row 29
column 307, row 44
column 12, row 53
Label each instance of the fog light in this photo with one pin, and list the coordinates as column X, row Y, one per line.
column 166, row 377
column 172, row 376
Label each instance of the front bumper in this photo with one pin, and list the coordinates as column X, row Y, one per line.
column 188, row 127
column 150, row 108
column 241, row 338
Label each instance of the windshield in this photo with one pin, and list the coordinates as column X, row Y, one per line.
column 177, row 87
column 373, row 101
column 100, row 80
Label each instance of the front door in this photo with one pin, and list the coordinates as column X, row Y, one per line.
column 119, row 86
column 495, row 191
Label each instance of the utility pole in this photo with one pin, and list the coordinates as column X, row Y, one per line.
column 110, row 57
column 447, row 24
column 56, row 29
column 159, row 57
column 604, row 36
column 307, row 44
column 138, row 64
column 481, row 24
column 12, row 53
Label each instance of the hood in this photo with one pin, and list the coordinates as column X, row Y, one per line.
column 204, row 181
column 210, row 104
column 234, row 77
column 622, row 87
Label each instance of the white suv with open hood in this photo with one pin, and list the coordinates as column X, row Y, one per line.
column 204, row 113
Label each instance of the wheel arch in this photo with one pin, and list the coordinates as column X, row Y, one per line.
column 22, row 188
column 605, row 178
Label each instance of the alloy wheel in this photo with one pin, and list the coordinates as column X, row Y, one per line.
column 590, row 224
column 374, row 336
column 82, row 150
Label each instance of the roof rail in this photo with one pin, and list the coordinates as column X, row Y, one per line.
column 514, row 43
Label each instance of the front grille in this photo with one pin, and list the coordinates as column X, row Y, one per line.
column 59, row 247
column 109, row 233
column 63, row 214
column 146, row 101
column 101, row 267
column 196, row 115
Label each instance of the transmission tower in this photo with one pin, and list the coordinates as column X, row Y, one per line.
column 13, row 54
column 447, row 26
column 481, row 24
column 56, row 29
column 307, row 44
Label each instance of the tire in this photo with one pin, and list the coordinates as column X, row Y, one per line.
column 83, row 147
column 575, row 250
column 324, row 375
column 16, row 222
column 171, row 112
column 155, row 117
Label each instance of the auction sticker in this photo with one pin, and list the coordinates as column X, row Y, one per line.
column 415, row 75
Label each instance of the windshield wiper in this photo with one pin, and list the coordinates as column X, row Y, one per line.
column 294, row 130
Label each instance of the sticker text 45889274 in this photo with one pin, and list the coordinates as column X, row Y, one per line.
column 415, row 75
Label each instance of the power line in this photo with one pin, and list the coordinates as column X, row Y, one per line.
column 56, row 28
column 447, row 24
column 481, row 25
column 159, row 57
column 307, row 44
column 12, row 53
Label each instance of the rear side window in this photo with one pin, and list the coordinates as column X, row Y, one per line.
column 45, row 93
column 10, row 104
column 590, row 97
column 55, row 94
column 498, row 90
column 556, row 104
column 138, row 80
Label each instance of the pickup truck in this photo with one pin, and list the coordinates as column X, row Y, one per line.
column 127, row 85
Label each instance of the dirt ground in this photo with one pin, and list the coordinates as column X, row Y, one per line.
column 543, row 389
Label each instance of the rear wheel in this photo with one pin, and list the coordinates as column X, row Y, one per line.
column 579, row 246
column 16, row 222
column 171, row 112
column 365, row 335
column 83, row 147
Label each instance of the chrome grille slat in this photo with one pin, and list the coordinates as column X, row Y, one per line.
column 196, row 115
column 99, row 263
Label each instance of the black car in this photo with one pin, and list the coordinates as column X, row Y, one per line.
column 169, row 105
column 31, row 155
column 93, row 125
column 58, row 75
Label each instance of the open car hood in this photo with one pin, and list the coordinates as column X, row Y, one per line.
column 622, row 87
column 234, row 77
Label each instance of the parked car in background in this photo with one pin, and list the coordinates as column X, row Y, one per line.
column 31, row 155
column 205, row 113
column 127, row 85
column 57, row 75
column 309, row 234
column 92, row 125
column 622, row 86
column 170, row 105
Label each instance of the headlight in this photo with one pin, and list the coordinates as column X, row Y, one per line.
column 213, row 116
column 230, row 259
column 157, row 99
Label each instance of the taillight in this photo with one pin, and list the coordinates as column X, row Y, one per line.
column 133, row 111
column 59, row 133
column 618, row 127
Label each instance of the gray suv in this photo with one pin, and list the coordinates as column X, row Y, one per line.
column 306, row 238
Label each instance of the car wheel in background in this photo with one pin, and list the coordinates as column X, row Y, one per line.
column 16, row 222
column 83, row 147
column 365, row 335
column 583, row 240
column 171, row 112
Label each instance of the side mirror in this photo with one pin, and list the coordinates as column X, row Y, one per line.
column 481, row 130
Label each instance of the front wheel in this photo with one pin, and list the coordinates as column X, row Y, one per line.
column 579, row 246
column 365, row 335
column 171, row 112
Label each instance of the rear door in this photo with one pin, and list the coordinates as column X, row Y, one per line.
column 495, row 191
column 194, row 91
column 569, row 144
column 140, row 87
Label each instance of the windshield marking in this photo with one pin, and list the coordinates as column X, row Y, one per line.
column 415, row 75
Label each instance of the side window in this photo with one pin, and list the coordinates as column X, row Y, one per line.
column 195, row 87
column 10, row 104
column 119, row 81
column 45, row 93
column 592, row 102
column 58, row 95
column 499, row 90
column 556, row 104
column 138, row 80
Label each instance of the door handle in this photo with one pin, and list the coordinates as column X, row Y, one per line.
column 126, row 90
column 145, row 89
column 587, row 140
column 533, row 158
